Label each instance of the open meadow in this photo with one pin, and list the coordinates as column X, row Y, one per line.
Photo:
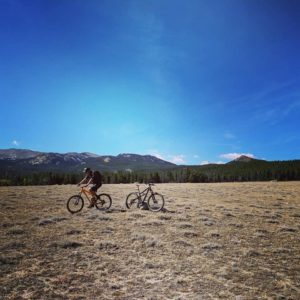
column 212, row 241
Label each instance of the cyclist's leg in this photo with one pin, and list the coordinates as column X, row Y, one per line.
column 93, row 190
column 98, row 186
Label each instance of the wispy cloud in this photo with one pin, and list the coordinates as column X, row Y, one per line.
column 206, row 162
column 153, row 53
column 156, row 153
column 177, row 159
column 292, row 107
column 274, row 93
column 229, row 136
column 15, row 143
column 232, row 156
column 272, row 104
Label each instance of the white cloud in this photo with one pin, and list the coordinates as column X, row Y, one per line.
column 177, row 159
column 15, row 143
column 156, row 154
column 206, row 162
column 159, row 156
column 196, row 156
column 232, row 156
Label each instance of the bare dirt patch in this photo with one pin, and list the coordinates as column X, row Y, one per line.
column 213, row 241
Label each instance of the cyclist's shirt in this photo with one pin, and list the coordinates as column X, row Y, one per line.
column 96, row 178
column 88, row 177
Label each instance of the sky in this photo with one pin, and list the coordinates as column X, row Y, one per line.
column 191, row 82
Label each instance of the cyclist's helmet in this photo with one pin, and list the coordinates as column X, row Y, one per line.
column 86, row 170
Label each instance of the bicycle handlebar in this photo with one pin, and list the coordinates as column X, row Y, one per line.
column 82, row 186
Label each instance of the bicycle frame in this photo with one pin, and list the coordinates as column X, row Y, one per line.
column 154, row 201
column 144, row 192
column 76, row 202
column 86, row 192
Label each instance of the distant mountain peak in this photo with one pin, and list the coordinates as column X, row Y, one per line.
column 89, row 154
column 14, row 154
column 244, row 158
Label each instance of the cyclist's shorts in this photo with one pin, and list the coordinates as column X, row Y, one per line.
column 95, row 187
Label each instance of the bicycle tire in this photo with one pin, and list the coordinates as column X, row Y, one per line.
column 131, row 199
column 75, row 204
column 156, row 202
column 103, row 202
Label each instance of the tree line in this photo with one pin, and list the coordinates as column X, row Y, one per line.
column 250, row 171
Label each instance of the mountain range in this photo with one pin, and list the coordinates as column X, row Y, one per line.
column 24, row 161
column 27, row 161
column 27, row 167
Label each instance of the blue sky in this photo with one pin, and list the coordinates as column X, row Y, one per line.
column 188, row 81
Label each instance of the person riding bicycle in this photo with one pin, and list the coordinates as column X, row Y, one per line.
column 92, row 178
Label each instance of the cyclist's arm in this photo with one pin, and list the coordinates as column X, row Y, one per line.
column 84, row 180
column 90, row 181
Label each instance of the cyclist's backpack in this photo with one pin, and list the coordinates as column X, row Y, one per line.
column 97, row 177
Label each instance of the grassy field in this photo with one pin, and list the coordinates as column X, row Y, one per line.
column 213, row 241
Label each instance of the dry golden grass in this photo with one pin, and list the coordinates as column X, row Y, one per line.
column 214, row 241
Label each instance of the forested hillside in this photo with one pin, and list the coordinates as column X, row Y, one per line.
column 254, row 170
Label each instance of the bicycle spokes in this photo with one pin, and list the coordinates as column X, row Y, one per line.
column 132, row 200
column 156, row 202
column 103, row 202
column 75, row 204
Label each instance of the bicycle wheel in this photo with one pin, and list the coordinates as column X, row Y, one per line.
column 132, row 199
column 156, row 202
column 75, row 204
column 103, row 202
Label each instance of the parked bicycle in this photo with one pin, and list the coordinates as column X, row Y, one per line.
column 154, row 201
column 76, row 202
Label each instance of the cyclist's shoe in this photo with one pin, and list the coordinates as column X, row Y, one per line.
column 93, row 202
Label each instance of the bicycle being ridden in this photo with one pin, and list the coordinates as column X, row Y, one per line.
column 75, row 203
column 94, row 179
column 154, row 201
column 101, row 201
